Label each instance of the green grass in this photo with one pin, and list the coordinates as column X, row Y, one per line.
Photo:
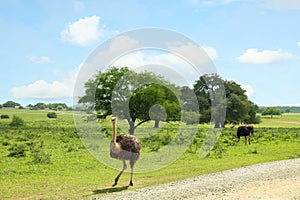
column 73, row 173
column 284, row 120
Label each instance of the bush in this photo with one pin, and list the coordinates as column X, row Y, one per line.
column 5, row 143
column 52, row 115
column 4, row 116
column 17, row 121
column 40, row 157
column 17, row 150
column 165, row 139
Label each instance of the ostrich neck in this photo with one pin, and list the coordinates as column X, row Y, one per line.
column 114, row 136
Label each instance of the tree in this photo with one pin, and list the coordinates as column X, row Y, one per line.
column 11, row 104
column 272, row 111
column 155, row 102
column 98, row 91
column 209, row 90
column 239, row 109
column 129, row 95
column 40, row 106
column 189, row 100
column 135, row 94
column 287, row 110
column 57, row 106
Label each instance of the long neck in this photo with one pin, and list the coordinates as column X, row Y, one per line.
column 114, row 136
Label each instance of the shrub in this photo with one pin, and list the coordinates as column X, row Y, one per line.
column 52, row 115
column 17, row 121
column 38, row 154
column 165, row 139
column 154, row 147
column 4, row 116
column 17, row 150
column 40, row 157
column 5, row 143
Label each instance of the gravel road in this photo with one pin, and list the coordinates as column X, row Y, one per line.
column 273, row 180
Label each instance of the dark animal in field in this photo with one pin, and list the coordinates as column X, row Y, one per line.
column 124, row 147
column 245, row 131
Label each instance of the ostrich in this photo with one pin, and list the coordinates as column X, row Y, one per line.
column 246, row 131
column 124, row 147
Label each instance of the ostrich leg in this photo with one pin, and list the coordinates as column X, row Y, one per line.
column 117, row 178
column 248, row 139
column 131, row 175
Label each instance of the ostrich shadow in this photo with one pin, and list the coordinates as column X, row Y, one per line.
column 110, row 190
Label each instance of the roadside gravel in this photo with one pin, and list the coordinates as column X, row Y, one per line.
column 273, row 180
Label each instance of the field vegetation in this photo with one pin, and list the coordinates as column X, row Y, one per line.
column 43, row 158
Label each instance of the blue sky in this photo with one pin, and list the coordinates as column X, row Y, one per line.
column 253, row 42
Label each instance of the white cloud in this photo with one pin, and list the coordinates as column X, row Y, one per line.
column 172, row 67
column 284, row 4
column 263, row 57
column 298, row 43
column 117, row 46
column 41, row 89
column 40, row 60
column 84, row 31
column 249, row 89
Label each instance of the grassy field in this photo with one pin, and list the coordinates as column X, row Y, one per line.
column 45, row 159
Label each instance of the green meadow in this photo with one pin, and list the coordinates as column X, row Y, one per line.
column 45, row 158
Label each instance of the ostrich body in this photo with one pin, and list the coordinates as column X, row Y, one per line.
column 124, row 147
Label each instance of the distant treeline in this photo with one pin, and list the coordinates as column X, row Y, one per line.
column 37, row 106
column 284, row 109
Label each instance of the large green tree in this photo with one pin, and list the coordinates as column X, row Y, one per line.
column 99, row 89
column 209, row 90
column 271, row 111
column 155, row 102
column 239, row 109
column 40, row 106
column 10, row 104
column 130, row 95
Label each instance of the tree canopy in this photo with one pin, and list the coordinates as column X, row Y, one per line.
column 140, row 97
column 130, row 95
column 271, row 111
column 239, row 109
column 209, row 90
column 10, row 104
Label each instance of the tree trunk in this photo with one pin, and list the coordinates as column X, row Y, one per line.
column 156, row 125
column 217, row 124
column 223, row 124
column 131, row 127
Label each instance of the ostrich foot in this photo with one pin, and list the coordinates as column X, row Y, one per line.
column 130, row 183
column 116, row 182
